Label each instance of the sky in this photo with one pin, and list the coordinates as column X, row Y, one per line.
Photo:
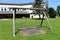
column 52, row 3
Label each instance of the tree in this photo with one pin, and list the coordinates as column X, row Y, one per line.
column 52, row 13
column 58, row 10
column 38, row 5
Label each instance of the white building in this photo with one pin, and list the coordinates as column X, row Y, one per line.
column 4, row 10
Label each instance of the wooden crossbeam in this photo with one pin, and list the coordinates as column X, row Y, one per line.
column 43, row 9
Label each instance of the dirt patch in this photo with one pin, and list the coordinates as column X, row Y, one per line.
column 30, row 31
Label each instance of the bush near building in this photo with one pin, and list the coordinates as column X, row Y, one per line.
column 52, row 13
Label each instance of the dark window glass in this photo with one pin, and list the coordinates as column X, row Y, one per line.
column 5, row 9
column 18, row 9
column 1, row 9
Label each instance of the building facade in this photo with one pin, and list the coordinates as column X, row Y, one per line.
column 6, row 12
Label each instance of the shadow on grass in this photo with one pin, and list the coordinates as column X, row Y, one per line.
column 44, row 27
column 17, row 31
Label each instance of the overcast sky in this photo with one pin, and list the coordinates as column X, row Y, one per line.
column 52, row 3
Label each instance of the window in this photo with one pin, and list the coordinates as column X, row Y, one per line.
column 5, row 9
column 1, row 9
column 18, row 9
column 9, row 9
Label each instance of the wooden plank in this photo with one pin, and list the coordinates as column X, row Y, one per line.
column 14, row 24
column 28, row 8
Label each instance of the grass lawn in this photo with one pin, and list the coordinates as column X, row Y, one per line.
column 6, row 29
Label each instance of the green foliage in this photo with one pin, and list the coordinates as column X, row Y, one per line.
column 58, row 10
column 52, row 13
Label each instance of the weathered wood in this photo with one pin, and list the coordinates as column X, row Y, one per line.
column 14, row 24
column 43, row 9
column 48, row 21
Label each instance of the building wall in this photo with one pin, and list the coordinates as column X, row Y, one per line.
column 6, row 8
column 36, row 16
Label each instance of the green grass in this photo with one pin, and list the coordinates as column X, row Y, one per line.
column 6, row 29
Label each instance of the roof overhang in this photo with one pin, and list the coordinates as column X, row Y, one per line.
column 1, row 3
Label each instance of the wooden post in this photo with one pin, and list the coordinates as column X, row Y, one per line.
column 48, row 21
column 14, row 24
column 42, row 20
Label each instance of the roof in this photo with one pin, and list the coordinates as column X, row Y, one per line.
column 5, row 3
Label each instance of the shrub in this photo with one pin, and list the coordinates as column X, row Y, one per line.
column 52, row 13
